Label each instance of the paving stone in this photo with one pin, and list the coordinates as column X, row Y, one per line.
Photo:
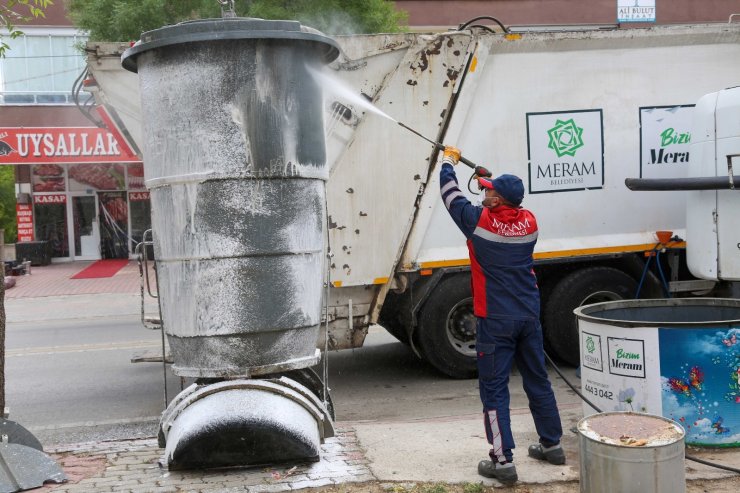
column 352, row 478
column 313, row 483
column 130, row 485
column 270, row 488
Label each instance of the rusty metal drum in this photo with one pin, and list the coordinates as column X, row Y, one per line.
column 234, row 158
column 624, row 452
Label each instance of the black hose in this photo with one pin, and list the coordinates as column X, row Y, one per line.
column 481, row 17
column 688, row 457
column 86, row 107
column 481, row 26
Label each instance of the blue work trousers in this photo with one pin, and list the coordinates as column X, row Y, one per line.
column 499, row 344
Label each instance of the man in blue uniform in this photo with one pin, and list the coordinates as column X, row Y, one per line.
column 506, row 301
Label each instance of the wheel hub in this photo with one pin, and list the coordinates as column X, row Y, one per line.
column 461, row 327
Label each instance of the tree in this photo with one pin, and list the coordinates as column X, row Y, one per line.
column 10, row 14
column 125, row 20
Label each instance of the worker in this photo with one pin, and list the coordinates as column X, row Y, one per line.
column 506, row 302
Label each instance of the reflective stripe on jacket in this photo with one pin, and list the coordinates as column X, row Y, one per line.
column 500, row 243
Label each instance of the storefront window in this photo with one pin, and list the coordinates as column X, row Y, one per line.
column 48, row 178
column 50, row 213
column 113, row 224
column 135, row 176
column 83, row 177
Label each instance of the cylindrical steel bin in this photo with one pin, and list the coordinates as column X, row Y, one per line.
column 631, row 453
column 234, row 158
column 676, row 358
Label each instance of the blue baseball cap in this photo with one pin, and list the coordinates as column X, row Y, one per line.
column 510, row 187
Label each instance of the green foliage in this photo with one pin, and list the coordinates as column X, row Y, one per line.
column 7, row 203
column 434, row 488
column 11, row 12
column 473, row 488
column 125, row 20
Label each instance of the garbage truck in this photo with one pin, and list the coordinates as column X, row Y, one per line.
column 572, row 112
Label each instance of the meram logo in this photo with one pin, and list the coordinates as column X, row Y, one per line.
column 565, row 138
column 634, row 361
column 590, row 345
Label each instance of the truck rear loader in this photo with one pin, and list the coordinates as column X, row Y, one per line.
column 574, row 113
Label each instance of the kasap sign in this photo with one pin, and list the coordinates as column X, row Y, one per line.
column 665, row 136
column 565, row 150
column 635, row 10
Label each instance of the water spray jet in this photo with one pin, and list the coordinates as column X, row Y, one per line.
column 342, row 90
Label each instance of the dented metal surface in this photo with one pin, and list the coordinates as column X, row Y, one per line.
column 416, row 89
column 617, row 465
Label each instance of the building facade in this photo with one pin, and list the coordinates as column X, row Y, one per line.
column 79, row 185
column 441, row 15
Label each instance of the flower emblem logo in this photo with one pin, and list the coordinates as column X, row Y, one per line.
column 590, row 345
column 565, row 138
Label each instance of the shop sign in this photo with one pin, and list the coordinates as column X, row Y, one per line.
column 665, row 137
column 138, row 196
column 47, row 145
column 635, row 10
column 50, row 199
column 566, row 151
column 626, row 357
column 24, row 218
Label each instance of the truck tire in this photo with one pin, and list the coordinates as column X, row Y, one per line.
column 392, row 316
column 582, row 287
column 446, row 332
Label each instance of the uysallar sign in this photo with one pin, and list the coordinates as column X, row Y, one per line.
column 57, row 145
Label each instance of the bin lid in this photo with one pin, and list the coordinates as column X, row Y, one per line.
column 226, row 29
column 670, row 312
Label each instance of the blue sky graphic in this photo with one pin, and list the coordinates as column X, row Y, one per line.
column 717, row 353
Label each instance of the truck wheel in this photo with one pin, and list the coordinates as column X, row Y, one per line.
column 447, row 326
column 391, row 316
column 582, row 287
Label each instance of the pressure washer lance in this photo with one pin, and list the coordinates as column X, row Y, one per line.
column 479, row 170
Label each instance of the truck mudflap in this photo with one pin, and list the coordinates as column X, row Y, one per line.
column 243, row 423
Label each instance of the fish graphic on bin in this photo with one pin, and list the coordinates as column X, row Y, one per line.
column 235, row 162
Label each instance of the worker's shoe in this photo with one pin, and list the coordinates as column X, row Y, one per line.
column 505, row 473
column 553, row 455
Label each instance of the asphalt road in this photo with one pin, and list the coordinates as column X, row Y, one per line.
column 72, row 381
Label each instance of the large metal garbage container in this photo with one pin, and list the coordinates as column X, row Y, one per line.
column 234, row 158
column 676, row 358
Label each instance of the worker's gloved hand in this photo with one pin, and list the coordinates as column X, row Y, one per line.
column 451, row 155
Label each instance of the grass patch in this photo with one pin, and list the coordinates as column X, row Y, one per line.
column 473, row 488
column 434, row 488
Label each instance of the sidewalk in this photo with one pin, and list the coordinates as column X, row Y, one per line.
column 365, row 456
column 50, row 293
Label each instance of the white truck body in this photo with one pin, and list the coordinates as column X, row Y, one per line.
column 572, row 113
column 713, row 221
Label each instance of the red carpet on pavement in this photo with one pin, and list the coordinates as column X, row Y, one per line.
column 101, row 268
